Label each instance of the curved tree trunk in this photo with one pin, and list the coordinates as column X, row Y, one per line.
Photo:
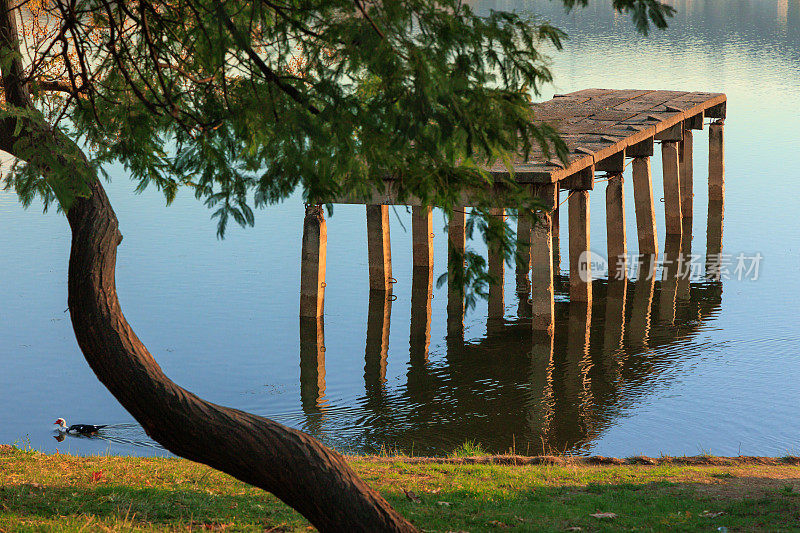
column 295, row 467
column 300, row 471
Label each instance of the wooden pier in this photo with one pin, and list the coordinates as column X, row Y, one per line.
column 602, row 128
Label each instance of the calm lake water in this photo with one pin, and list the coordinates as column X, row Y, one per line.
column 222, row 316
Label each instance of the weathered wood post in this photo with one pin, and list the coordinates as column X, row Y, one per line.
column 422, row 236
column 379, row 250
column 555, row 224
column 672, row 188
column 686, row 153
column 523, row 260
column 580, row 272
column 716, row 198
column 641, row 306
column 312, row 263
column 542, row 304
column 312, row 363
column 671, row 266
column 645, row 209
column 496, row 272
column 456, row 239
column 421, row 293
column 615, row 229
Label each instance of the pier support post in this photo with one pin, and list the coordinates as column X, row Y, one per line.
column 645, row 210
column 716, row 199
column 497, row 272
column 422, row 236
column 456, row 244
column 312, row 263
column 379, row 248
column 580, row 272
column 555, row 223
column 672, row 188
column 615, row 229
column 716, row 162
column 542, row 304
column 524, row 223
column 687, row 178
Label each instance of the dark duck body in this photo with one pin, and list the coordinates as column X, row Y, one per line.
column 78, row 429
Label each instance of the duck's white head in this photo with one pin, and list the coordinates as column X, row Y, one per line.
column 61, row 423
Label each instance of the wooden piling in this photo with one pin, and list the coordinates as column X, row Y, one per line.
column 716, row 162
column 580, row 272
column 687, row 178
column 542, row 304
column 615, row 229
column 456, row 239
column 523, row 262
column 312, row 263
column 555, row 223
column 379, row 248
column 422, row 236
column 496, row 272
column 716, row 199
column 645, row 209
column 672, row 188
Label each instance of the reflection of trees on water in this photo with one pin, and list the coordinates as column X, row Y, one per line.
column 511, row 389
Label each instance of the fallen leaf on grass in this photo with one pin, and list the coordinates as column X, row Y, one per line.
column 444, row 504
column 709, row 514
column 412, row 496
column 603, row 515
column 97, row 476
column 35, row 486
column 574, row 528
column 497, row 523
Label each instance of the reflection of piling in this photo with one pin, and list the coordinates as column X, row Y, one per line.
column 377, row 345
column 421, row 293
column 312, row 363
column 641, row 307
column 671, row 267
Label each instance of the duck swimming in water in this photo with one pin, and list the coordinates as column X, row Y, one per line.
column 77, row 429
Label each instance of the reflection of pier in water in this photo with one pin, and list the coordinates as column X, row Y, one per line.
column 517, row 386
column 566, row 368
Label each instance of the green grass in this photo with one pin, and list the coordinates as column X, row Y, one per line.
column 41, row 492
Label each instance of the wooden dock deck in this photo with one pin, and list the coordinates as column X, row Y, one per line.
column 602, row 128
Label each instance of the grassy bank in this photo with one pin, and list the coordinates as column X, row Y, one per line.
column 41, row 492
